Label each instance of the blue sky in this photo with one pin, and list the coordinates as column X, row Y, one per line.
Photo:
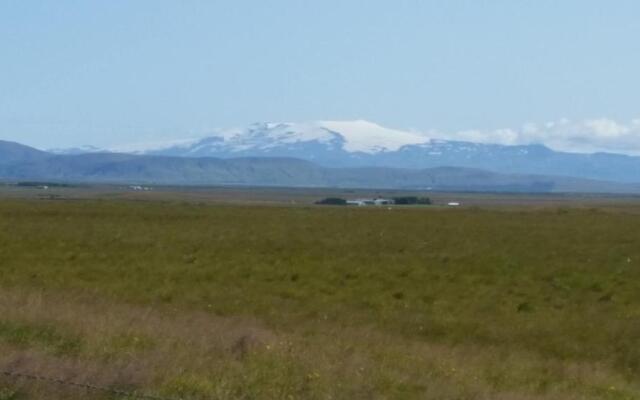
column 119, row 71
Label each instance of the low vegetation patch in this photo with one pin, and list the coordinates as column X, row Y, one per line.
column 43, row 336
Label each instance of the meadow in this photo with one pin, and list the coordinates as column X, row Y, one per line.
column 221, row 301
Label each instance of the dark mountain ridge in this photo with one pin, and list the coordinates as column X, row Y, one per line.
column 18, row 162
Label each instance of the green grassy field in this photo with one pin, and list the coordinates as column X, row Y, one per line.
column 200, row 301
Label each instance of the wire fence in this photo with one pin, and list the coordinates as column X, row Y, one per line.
column 77, row 385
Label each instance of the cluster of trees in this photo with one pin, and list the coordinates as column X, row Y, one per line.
column 332, row 201
column 407, row 200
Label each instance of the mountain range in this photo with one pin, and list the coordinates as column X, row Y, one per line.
column 349, row 144
column 22, row 163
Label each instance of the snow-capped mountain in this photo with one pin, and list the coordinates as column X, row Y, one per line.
column 348, row 136
column 365, row 144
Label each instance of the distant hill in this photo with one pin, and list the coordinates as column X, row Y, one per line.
column 349, row 144
column 22, row 163
column 11, row 152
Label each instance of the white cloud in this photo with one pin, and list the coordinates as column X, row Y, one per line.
column 588, row 136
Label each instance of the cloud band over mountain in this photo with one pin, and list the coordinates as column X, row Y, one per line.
column 588, row 136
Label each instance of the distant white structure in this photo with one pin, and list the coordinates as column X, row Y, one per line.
column 453, row 204
column 138, row 188
column 370, row 202
column 383, row 202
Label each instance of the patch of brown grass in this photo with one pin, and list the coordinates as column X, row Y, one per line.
column 168, row 351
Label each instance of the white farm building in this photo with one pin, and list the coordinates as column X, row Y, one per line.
column 370, row 202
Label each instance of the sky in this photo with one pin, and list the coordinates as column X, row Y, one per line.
column 562, row 73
